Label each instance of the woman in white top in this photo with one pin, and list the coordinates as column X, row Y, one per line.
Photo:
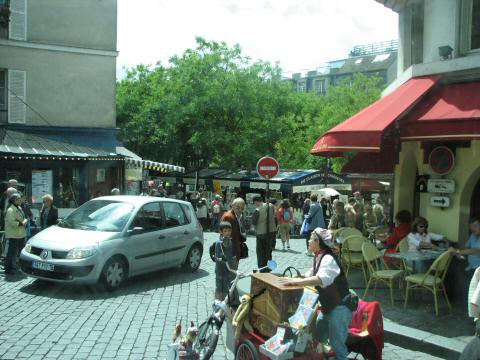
column 420, row 237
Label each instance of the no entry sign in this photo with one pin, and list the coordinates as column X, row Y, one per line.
column 267, row 167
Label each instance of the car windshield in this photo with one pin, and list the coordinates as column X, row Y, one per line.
column 99, row 215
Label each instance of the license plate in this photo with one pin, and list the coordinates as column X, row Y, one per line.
column 42, row 266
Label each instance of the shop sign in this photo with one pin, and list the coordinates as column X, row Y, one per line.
column 42, row 183
column 440, row 201
column 444, row 186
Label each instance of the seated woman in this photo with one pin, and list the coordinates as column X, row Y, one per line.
column 420, row 237
column 401, row 230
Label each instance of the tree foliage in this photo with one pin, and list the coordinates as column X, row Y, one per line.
column 213, row 106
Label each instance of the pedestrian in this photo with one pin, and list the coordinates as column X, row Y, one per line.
column 27, row 210
column 15, row 232
column 115, row 191
column 314, row 218
column 337, row 221
column 379, row 212
column 263, row 219
column 359, row 220
column 216, row 209
column 332, row 286
column 285, row 216
column 306, row 207
column 223, row 256
column 49, row 212
column 236, row 219
column 202, row 213
column 13, row 183
column 3, row 202
column 273, row 236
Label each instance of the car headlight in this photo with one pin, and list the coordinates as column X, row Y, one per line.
column 81, row 253
column 28, row 247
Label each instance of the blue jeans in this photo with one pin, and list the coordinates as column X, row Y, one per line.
column 334, row 326
column 215, row 222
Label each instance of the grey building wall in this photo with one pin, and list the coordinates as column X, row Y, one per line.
column 67, row 89
column 88, row 24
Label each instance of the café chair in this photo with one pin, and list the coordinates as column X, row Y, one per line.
column 351, row 254
column 401, row 247
column 344, row 232
column 378, row 270
column 433, row 280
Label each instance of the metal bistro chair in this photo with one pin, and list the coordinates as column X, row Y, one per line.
column 374, row 260
column 344, row 232
column 432, row 280
column 401, row 247
column 352, row 254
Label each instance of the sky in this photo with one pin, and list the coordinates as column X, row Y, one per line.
column 299, row 34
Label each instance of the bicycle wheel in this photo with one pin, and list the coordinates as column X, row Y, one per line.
column 207, row 339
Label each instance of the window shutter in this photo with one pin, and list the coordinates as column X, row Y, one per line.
column 18, row 20
column 17, row 81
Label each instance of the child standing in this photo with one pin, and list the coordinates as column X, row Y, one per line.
column 224, row 255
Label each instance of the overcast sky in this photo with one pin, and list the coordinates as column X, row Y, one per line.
column 300, row 34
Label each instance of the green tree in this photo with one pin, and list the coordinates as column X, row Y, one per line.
column 211, row 107
column 315, row 115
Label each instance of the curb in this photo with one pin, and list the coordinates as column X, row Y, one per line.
column 419, row 340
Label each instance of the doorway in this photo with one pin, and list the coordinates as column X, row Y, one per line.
column 475, row 201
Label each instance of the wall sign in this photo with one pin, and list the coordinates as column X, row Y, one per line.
column 442, row 186
column 440, row 201
column 42, row 183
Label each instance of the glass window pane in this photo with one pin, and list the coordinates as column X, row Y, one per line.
column 149, row 217
column 174, row 216
column 475, row 34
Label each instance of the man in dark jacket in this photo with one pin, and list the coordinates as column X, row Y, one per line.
column 49, row 213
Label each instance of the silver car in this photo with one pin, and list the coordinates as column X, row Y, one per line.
column 111, row 238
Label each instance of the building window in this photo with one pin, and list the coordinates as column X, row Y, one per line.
column 470, row 26
column 302, row 86
column 68, row 187
column 319, row 86
column 3, row 97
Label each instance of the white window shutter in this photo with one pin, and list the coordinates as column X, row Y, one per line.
column 18, row 20
column 17, row 84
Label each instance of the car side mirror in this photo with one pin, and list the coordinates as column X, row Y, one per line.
column 136, row 230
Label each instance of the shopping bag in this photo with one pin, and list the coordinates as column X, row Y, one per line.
column 304, row 227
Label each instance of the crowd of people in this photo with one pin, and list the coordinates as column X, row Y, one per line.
column 17, row 222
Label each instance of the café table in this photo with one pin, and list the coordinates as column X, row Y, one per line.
column 415, row 256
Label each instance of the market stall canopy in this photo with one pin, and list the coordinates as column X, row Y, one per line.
column 451, row 112
column 369, row 184
column 364, row 131
column 328, row 192
column 318, row 180
column 18, row 143
column 153, row 165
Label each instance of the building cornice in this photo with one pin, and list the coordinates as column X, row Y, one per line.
column 58, row 48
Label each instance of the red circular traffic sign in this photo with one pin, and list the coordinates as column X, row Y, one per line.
column 267, row 167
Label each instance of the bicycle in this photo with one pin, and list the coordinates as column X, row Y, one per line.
column 206, row 340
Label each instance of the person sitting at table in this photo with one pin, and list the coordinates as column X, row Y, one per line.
column 472, row 246
column 338, row 219
column 403, row 221
column 420, row 237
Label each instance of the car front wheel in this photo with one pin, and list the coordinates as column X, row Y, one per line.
column 114, row 273
column 194, row 258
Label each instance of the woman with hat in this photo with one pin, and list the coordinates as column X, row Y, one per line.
column 15, row 231
column 331, row 283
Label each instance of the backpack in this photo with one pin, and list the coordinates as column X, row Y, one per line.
column 211, row 252
column 286, row 215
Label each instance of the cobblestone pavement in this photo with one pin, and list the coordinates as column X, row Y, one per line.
column 41, row 320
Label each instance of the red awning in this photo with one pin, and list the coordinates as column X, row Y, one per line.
column 363, row 132
column 448, row 113
column 367, row 184
column 371, row 163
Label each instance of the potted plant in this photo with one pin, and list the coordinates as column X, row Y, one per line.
column 4, row 16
